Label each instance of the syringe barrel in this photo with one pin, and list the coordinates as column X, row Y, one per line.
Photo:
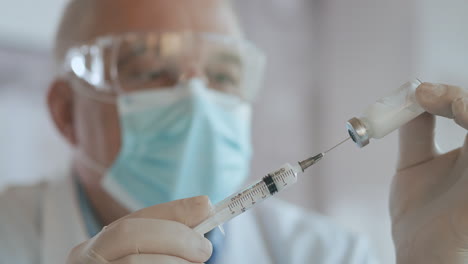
column 248, row 197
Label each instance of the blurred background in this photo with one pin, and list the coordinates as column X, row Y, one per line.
column 328, row 59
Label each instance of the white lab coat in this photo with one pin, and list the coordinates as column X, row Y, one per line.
column 40, row 224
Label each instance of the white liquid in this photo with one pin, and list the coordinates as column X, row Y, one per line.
column 381, row 119
column 391, row 112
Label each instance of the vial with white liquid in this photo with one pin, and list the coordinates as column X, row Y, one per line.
column 386, row 115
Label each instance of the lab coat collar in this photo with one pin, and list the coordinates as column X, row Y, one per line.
column 62, row 223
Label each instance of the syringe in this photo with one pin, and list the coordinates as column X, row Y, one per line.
column 253, row 194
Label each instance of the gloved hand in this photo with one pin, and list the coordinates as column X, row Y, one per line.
column 429, row 196
column 158, row 234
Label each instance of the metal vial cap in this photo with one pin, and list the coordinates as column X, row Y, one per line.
column 358, row 132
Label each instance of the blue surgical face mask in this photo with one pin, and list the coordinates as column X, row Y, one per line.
column 180, row 142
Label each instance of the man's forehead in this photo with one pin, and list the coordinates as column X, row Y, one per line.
column 122, row 16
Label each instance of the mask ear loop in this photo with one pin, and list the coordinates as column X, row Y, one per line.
column 87, row 160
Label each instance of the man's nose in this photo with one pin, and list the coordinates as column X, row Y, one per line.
column 194, row 71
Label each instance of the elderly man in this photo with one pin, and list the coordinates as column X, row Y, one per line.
column 155, row 97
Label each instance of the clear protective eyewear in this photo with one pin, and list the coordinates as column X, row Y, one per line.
column 112, row 65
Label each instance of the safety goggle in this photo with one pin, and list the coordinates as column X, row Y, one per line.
column 112, row 65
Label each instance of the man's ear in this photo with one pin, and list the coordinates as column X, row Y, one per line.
column 60, row 103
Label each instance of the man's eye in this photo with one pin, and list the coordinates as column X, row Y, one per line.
column 223, row 78
column 150, row 78
column 157, row 74
column 151, row 75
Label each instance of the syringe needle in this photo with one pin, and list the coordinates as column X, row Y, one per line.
column 312, row 160
column 332, row 148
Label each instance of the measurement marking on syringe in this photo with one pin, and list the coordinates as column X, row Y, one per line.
column 281, row 176
column 244, row 199
column 287, row 173
column 264, row 189
column 255, row 192
column 251, row 196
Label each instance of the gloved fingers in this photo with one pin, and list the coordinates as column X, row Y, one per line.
column 190, row 211
column 151, row 236
column 465, row 147
column 437, row 99
column 461, row 167
column 417, row 143
column 82, row 254
column 417, row 137
column 460, row 111
column 445, row 100
column 160, row 229
column 150, row 259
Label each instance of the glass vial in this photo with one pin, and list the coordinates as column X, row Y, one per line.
column 386, row 115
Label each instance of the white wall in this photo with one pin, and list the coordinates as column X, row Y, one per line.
column 30, row 146
column 286, row 110
column 29, row 23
